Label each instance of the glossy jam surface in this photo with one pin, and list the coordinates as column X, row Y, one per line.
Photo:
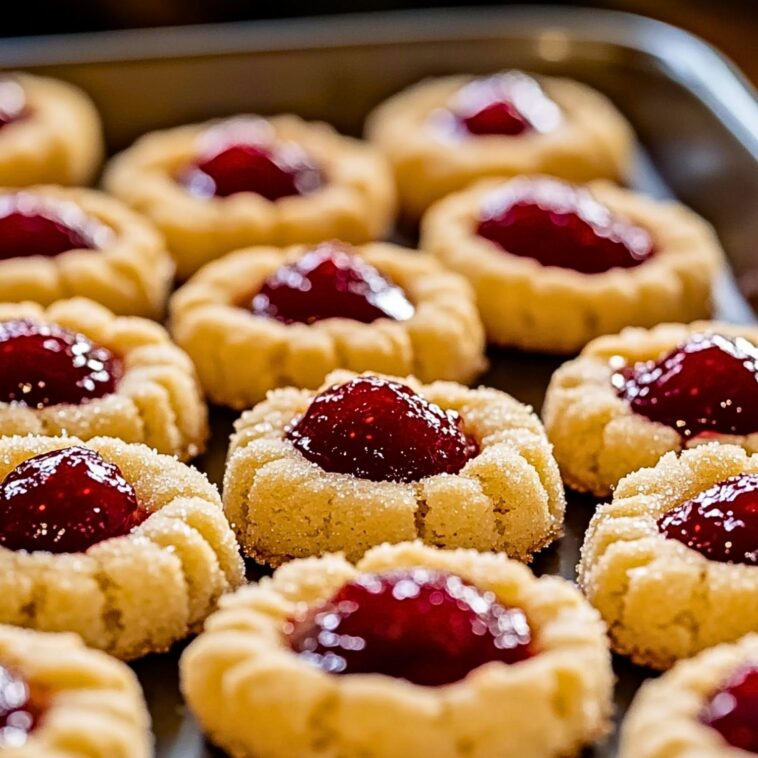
column 381, row 430
column 721, row 522
column 12, row 101
column 507, row 104
column 45, row 364
column 18, row 714
column 559, row 224
column 706, row 386
column 330, row 282
column 243, row 155
column 65, row 501
column 429, row 627
column 33, row 225
column 733, row 710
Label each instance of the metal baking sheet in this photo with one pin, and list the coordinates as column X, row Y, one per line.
column 696, row 117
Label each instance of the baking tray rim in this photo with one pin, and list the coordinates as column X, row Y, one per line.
column 686, row 58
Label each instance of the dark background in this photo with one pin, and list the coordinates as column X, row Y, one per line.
column 731, row 25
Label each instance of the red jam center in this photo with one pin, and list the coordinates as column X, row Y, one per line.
column 45, row 364
column 12, row 101
column 381, row 430
column 242, row 155
column 18, row 713
column 32, row 225
column 706, row 386
column 559, row 224
column 733, row 710
column 506, row 104
column 429, row 627
column 65, row 501
column 721, row 523
column 330, row 282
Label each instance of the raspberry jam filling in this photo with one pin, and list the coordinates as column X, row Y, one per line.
column 330, row 282
column 243, row 155
column 18, row 712
column 708, row 385
column 507, row 104
column 45, row 364
column 429, row 627
column 12, row 101
column 559, row 224
column 66, row 501
column 721, row 523
column 377, row 429
column 733, row 710
column 33, row 225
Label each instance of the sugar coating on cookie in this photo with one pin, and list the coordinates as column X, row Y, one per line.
column 597, row 437
column 91, row 705
column 507, row 497
column 240, row 355
column 526, row 304
column 55, row 137
column 354, row 200
column 124, row 266
column 156, row 400
column 134, row 594
column 663, row 600
column 240, row 676
column 664, row 719
column 589, row 139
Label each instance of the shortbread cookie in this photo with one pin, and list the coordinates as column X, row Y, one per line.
column 555, row 265
column 50, row 132
column 671, row 563
column 131, row 549
column 262, row 318
column 371, row 459
column 704, row 707
column 443, row 134
column 56, row 243
column 624, row 402
column 224, row 185
column 58, row 698
column 75, row 368
column 432, row 652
